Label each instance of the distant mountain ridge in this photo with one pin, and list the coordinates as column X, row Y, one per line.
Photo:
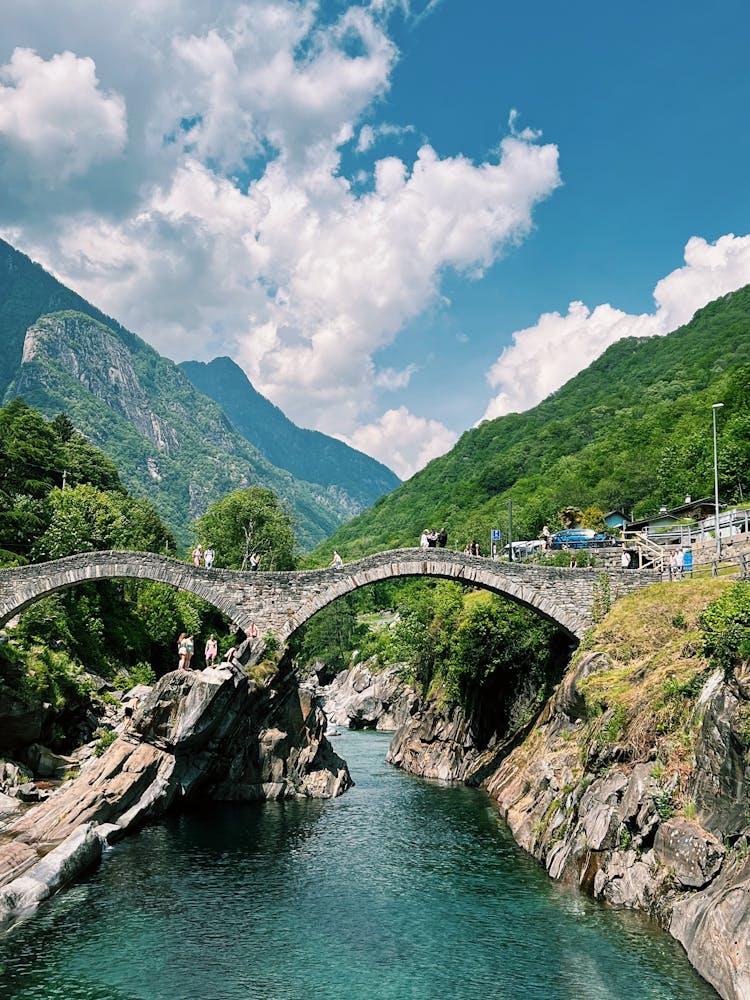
column 170, row 441
column 308, row 455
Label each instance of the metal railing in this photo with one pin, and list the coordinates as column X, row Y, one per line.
column 731, row 522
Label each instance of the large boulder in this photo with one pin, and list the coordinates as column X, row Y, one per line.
column 435, row 743
column 362, row 698
column 212, row 733
column 694, row 855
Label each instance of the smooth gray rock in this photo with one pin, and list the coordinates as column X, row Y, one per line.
column 714, row 928
column 62, row 864
column 361, row 698
column 691, row 852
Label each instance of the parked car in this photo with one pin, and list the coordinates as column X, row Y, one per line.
column 578, row 538
column 523, row 550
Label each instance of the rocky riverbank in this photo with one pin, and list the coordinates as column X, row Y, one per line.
column 213, row 733
column 633, row 782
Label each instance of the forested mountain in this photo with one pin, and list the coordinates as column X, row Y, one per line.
column 308, row 455
column 633, row 431
column 169, row 441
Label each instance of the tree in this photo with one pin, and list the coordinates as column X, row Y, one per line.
column 571, row 516
column 593, row 517
column 247, row 521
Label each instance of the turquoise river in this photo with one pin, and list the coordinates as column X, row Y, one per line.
column 399, row 890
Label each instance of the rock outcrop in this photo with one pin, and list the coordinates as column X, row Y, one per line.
column 362, row 698
column 212, row 733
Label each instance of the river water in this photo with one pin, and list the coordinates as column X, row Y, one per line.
column 399, row 890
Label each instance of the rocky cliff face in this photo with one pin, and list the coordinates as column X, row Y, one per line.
column 362, row 698
column 616, row 831
column 166, row 438
column 211, row 733
column 634, row 782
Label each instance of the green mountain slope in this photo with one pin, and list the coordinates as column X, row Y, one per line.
column 169, row 441
column 632, row 431
column 308, row 455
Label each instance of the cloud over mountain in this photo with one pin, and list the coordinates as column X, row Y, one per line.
column 545, row 356
column 195, row 185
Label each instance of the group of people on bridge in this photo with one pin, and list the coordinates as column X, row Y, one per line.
column 203, row 557
column 431, row 539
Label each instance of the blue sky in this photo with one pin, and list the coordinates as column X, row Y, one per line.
column 398, row 216
column 647, row 103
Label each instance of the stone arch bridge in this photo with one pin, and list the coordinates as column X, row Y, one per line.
column 282, row 601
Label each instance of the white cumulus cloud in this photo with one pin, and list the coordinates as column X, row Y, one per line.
column 228, row 224
column 543, row 357
column 55, row 115
column 403, row 441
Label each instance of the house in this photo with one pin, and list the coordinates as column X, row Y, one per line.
column 690, row 510
column 616, row 519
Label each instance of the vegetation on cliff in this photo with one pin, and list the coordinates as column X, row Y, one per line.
column 60, row 495
column 497, row 660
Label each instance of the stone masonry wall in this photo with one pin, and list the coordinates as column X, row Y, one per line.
column 283, row 601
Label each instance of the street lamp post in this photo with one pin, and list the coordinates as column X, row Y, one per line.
column 714, row 408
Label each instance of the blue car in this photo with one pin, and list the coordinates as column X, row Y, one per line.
column 578, row 538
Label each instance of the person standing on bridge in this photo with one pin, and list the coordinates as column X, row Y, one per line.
column 337, row 562
column 442, row 538
column 254, row 562
column 208, row 557
column 197, row 555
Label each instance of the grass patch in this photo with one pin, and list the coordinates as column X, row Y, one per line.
column 644, row 702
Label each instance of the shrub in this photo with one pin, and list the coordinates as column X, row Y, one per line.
column 726, row 629
column 106, row 738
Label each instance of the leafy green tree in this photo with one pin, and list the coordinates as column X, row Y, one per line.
column 330, row 636
column 247, row 521
column 726, row 629
column 593, row 517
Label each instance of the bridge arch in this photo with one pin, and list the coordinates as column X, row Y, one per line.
column 23, row 586
column 469, row 570
column 283, row 601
